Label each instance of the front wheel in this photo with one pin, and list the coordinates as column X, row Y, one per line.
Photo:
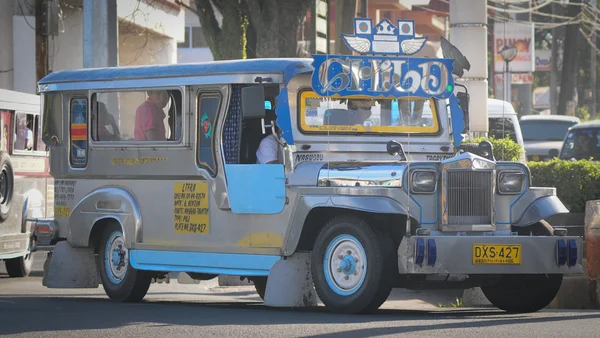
column 351, row 266
column 120, row 280
column 523, row 293
column 20, row 266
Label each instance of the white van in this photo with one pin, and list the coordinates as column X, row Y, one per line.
column 503, row 120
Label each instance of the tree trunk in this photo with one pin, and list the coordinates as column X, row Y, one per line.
column 276, row 26
column 229, row 40
column 569, row 64
column 345, row 13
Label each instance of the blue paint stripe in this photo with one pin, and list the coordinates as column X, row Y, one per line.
column 202, row 262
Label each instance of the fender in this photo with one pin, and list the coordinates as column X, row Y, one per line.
column 107, row 202
column 307, row 203
column 544, row 203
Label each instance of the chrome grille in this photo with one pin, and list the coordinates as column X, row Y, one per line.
column 469, row 197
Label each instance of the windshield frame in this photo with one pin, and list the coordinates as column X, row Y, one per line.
column 434, row 130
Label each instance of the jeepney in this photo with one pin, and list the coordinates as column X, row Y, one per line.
column 25, row 181
column 354, row 206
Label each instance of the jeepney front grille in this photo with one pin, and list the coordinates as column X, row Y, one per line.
column 469, row 197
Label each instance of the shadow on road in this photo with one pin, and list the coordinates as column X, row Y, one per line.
column 80, row 313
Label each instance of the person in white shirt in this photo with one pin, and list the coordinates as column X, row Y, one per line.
column 268, row 149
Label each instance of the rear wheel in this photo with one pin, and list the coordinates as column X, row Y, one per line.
column 523, row 293
column 120, row 280
column 260, row 284
column 351, row 266
column 20, row 266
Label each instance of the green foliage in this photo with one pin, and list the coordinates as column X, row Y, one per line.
column 505, row 149
column 457, row 304
column 583, row 113
column 575, row 181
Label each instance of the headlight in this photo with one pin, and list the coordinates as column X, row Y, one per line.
column 510, row 182
column 422, row 182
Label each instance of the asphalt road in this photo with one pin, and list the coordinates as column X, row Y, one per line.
column 206, row 310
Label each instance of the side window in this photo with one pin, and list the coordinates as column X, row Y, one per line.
column 78, row 132
column 501, row 127
column 27, row 133
column 208, row 108
column 153, row 115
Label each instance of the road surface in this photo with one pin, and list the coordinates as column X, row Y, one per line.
column 206, row 310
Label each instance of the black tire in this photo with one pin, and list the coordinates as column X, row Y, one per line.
column 260, row 284
column 20, row 266
column 7, row 179
column 373, row 284
column 523, row 293
column 133, row 284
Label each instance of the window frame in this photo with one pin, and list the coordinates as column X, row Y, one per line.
column 87, row 129
column 210, row 92
column 36, row 135
column 301, row 122
column 181, row 142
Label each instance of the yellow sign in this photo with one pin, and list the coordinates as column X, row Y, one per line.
column 62, row 211
column 497, row 254
column 137, row 160
column 190, row 208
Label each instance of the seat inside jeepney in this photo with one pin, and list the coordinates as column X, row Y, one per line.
column 252, row 135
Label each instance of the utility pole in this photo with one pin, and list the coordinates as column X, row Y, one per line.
column 554, row 62
column 100, row 33
column 469, row 33
column 593, row 57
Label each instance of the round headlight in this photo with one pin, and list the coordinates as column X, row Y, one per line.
column 510, row 182
column 422, row 182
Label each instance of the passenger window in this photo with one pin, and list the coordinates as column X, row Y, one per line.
column 27, row 133
column 208, row 108
column 499, row 128
column 78, row 132
column 152, row 115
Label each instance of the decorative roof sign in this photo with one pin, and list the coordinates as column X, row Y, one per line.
column 383, row 70
column 383, row 75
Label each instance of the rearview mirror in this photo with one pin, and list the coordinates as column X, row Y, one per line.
column 395, row 148
column 253, row 102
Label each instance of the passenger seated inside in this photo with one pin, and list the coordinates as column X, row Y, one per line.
column 149, row 117
column 107, row 126
column 268, row 150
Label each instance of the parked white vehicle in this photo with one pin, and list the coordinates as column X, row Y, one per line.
column 544, row 134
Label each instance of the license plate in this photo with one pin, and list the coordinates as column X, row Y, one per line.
column 496, row 253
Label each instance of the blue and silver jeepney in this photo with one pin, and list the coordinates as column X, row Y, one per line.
column 371, row 191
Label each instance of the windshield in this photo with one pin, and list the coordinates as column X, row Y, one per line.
column 364, row 115
column 581, row 144
column 545, row 130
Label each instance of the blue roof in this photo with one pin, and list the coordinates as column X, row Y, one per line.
column 287, row 66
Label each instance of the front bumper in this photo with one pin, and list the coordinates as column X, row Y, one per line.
column 46, row 232
column 454, row 255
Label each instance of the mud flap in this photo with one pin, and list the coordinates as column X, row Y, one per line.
column 67, row 267
column 290, row 283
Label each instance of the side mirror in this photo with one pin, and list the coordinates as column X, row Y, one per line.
column 394, row 148
column 253, row 102
column 463, row 102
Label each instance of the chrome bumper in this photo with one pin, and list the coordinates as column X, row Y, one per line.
column 46, row 232
column 454, row 255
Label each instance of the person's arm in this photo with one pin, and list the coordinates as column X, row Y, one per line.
column 267, row 151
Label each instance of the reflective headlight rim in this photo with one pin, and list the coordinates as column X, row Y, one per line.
column 414, row 189
column 502, row 190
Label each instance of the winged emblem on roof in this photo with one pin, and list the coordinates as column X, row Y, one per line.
column 384, row 38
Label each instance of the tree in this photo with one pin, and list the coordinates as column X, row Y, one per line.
column 250, row 28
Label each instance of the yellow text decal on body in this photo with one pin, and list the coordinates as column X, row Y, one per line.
column 137, row 160
column 190, row 208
